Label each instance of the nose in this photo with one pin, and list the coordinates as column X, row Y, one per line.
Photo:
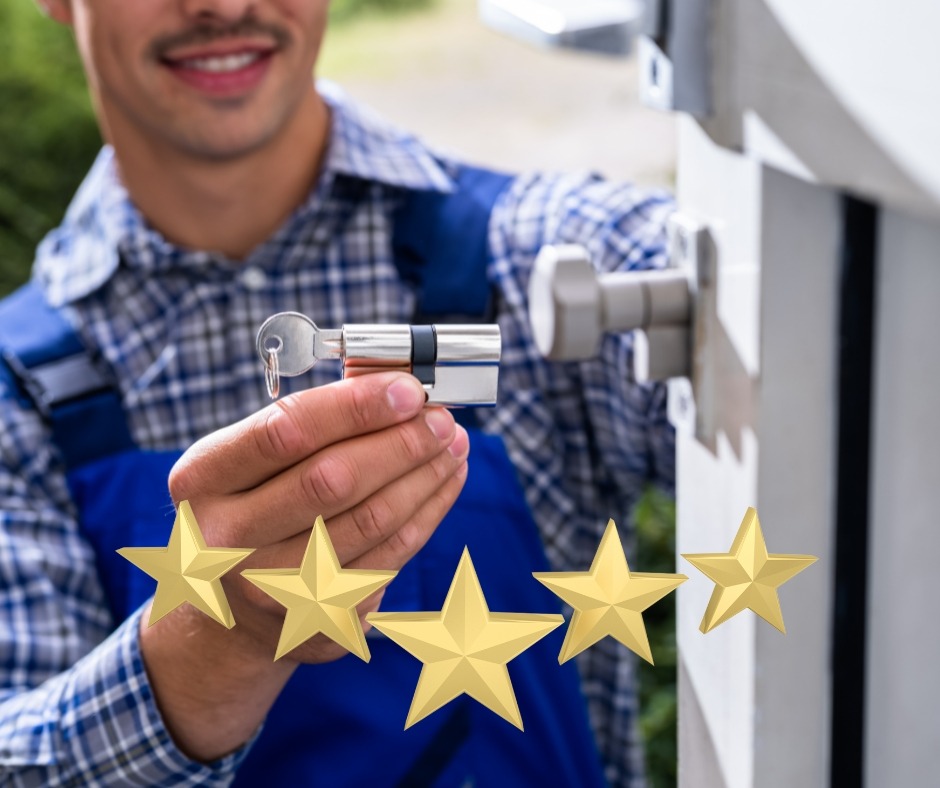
column 224, row 11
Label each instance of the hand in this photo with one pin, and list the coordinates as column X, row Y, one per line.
column 365, row 454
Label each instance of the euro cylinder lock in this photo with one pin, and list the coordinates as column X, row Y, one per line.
column 456, row 364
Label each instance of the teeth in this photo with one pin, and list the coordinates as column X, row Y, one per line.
column 221, row 65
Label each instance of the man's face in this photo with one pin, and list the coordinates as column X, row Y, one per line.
column 214, row 79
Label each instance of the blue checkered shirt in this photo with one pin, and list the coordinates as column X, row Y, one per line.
column 178, row 326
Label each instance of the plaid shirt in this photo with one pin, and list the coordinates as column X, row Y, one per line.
column 178, row 326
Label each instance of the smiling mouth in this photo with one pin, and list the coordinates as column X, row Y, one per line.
column 224, row 73
column 220, row 64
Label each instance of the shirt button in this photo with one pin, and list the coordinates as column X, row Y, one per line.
column 254, row 278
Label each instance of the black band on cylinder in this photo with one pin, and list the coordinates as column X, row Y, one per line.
column 423, row 353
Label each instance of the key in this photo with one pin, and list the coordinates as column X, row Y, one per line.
column 456, row 364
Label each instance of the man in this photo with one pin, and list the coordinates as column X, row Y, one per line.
column 234, row 188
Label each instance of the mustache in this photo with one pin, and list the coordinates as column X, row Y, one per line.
column 210, row 33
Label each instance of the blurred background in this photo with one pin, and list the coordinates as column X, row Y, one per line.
column 431, row 67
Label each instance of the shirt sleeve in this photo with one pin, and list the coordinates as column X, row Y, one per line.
column 76, row 706
column 633, row 238
column 623, row 228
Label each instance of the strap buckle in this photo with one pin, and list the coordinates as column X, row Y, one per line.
column 62, row 380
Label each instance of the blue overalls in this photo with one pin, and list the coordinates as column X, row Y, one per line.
column 341, row 724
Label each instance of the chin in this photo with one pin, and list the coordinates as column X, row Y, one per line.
column 223, row 142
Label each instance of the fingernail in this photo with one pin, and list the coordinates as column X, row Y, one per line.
column 405, row 396
column 461, row 443
column 440, row 422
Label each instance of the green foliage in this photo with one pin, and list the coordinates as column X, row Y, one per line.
column 342, row 10
column 656, row 552
column 48, row 136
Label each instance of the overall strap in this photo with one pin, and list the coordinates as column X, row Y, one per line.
column 440, row 244
column 50, row 369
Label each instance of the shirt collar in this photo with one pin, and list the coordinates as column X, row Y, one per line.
column 366, row 146
column 102, row 225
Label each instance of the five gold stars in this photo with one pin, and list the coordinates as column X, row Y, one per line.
column 320, row 596
column 464, row 647
column 608, row 599
column 747, row 577
column 186, row 570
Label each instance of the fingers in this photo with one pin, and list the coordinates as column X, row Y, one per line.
column 405, row 542
column 341, row 478
column 255, row 449
column 402, row 540
column 401, row 515
column 382, row 516
column 417, row 502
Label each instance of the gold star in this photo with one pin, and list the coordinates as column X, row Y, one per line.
column 320, row 596
column 464, row 647
column 609, row 599
column 747, row 577
column 187, row 571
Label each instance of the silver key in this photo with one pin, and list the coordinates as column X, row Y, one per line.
column 456, row 364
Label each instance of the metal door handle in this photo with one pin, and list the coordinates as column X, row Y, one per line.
column 604, row 26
